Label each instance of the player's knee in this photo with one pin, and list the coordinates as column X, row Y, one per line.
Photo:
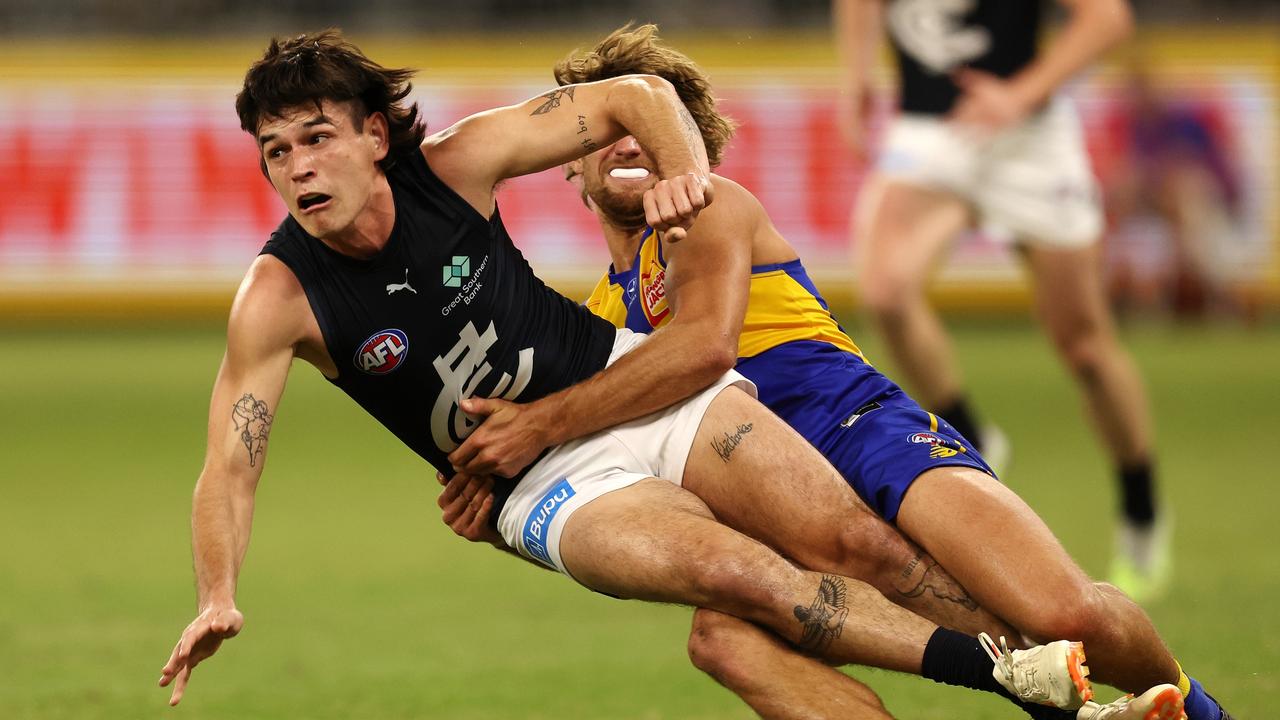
column 1080, row 614
column 733, row 581
column 715, row 644
column 870, row 550
column 1083, row 352
column 885, row 293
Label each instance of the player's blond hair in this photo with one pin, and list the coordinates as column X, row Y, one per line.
column 638, row 50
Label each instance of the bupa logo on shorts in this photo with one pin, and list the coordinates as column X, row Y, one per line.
column 459, row 268
column 939, row 447
column 383, row 352
column 539, row 520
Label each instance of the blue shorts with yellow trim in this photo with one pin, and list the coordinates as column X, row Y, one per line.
column 883, row 446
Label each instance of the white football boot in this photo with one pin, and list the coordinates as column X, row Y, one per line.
column 1053, row 674
column 1162, row 702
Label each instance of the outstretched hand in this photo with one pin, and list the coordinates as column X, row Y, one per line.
column 671, row 205
column 508, row 439
column 201, row 639
column 466, row 502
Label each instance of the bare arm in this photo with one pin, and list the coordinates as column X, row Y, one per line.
column 567, row 123
column 1094, row 27
column 858, row 31
column 241, row 411
column 707, row 281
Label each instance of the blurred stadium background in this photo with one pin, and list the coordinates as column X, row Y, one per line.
column 131, row 203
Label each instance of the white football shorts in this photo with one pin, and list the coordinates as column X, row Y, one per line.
column 579, row 471
column 1031, row 183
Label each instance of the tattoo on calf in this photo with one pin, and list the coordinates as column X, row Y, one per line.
column 253, row 420
column 924, row 573
column 554, row 99
column 725, row 447
column 823, row 620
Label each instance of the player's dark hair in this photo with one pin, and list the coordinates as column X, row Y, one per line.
column 638, row 50
column 314, row 67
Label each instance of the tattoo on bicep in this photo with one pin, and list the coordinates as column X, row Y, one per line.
column 725, row 446
column 924, row 573
column 553, row 99
column 253, row 420
column 823, row 620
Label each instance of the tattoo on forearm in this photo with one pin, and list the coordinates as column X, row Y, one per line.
column 587, row 142
column 823, row 620
column 253, row 420
column 725, row 446
column 553, row 99
column 924, row 573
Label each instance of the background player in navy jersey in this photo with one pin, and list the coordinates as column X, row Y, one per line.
column 376, row 209
column 984, row 139
column 736, row 289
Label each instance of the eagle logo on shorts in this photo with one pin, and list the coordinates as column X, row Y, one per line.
column 939, row 447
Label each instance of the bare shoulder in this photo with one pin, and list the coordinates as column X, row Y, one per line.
column 734, row 202
column 457, row 157
column 270, row 309
column 733, row 211
column 738, row 215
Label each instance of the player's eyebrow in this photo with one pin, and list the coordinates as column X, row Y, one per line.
column 320, row 119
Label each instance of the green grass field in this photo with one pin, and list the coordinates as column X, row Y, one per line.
column 360, row 604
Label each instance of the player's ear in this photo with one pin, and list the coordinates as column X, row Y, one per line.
column 379, row 134
column 573, row 171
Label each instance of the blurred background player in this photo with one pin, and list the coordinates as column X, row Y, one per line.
column 1174, row 199
column 983, row 139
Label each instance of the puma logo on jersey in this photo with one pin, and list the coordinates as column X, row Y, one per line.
column 394, row 287
column 383, row 352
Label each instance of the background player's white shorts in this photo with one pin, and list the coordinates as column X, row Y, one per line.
column 1031, row 183
column 579, row 471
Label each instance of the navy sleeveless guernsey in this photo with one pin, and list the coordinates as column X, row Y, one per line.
column 934, row 38
column 448, row 309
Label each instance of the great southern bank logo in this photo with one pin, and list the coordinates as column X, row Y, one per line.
column 535, row 528
column 383, row 352
column 458, row 269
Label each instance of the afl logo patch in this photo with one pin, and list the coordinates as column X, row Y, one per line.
column 383, row 352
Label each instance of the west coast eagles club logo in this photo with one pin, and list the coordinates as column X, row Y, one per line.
column 940, row 447
column 383, row 352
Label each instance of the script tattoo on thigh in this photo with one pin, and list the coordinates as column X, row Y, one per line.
column 725, row 446
column 823, row 620
column 253, row 420
column 553, row 99
column 923, row 573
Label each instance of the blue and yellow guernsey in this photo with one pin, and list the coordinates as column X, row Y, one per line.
column 805, row 366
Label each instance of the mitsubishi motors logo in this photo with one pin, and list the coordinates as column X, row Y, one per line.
column 459, row 269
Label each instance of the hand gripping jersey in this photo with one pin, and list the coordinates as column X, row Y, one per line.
column 805, row 367
column 934, row 38
column 448, row 309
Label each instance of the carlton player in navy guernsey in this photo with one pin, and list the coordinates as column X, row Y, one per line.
column 394, row 276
